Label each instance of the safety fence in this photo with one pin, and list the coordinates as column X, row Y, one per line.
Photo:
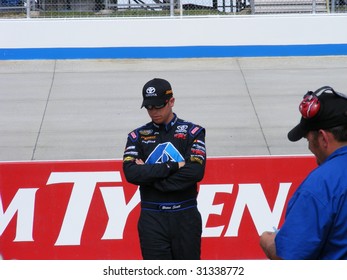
column 162, row 8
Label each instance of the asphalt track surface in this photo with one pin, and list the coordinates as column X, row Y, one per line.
column 84, row 109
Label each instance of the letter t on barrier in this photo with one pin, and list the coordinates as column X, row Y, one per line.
column 84, row 184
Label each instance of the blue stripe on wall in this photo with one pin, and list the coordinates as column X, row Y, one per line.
column 173, row 52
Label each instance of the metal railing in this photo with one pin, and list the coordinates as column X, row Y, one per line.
column 170, row 8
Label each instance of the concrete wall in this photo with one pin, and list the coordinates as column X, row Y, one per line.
column 238, row 36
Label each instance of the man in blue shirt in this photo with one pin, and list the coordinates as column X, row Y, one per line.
column 315, row 225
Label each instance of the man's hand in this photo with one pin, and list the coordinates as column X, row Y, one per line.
column 139, row 161
column 267, row 243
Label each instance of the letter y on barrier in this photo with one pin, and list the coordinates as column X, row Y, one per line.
column 117, row 210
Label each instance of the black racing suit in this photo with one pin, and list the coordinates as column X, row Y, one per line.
column 170, row 224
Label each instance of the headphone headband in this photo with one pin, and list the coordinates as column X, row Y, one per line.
column 327, row 88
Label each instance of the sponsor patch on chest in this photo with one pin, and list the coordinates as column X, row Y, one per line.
column 181, row 132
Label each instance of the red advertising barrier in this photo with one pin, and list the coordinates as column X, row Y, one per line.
column 86, row 210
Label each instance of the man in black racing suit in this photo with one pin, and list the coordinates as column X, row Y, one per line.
column 166, row 157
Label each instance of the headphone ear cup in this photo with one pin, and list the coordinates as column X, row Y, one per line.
column 309, row 107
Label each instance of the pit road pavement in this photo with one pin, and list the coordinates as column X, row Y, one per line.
column 84, row 109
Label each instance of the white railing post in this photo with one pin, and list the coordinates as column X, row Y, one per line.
column 172, row 7
column 28, row 8
column 333, row 3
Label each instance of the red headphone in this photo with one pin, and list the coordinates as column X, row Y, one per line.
column 310, row 105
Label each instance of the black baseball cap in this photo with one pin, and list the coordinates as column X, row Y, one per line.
column 156, row 92
column 332, row 112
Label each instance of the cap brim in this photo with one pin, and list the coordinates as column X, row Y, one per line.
column 154, row 102
column 296, row 133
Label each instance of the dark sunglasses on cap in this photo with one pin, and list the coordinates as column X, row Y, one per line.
column 151, row 107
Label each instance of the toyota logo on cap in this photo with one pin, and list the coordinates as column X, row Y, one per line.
column 150, row 91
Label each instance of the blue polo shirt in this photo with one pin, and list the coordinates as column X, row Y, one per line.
column 315, row 225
